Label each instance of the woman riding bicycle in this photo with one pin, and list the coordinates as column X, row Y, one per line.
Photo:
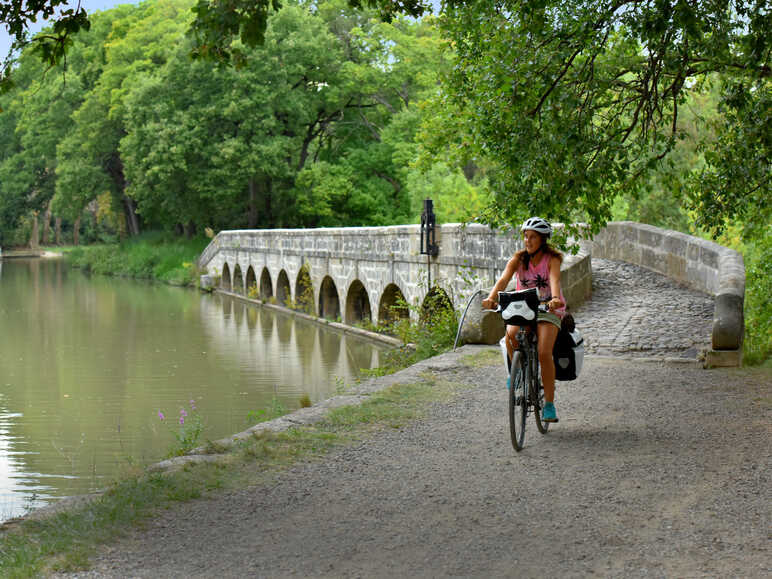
column 538, row 265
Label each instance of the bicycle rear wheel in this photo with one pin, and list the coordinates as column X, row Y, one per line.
column 518, row 400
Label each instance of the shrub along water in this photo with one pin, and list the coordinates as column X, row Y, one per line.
column 156, row 255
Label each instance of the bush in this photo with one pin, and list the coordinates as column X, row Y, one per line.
column 433, row 333
column 757, row 348
column 154, row 255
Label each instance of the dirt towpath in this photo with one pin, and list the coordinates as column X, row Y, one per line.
column 656, row 469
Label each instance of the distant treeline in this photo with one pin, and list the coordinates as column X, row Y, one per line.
column 317, row 127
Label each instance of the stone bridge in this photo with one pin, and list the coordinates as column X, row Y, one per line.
column 369, row 275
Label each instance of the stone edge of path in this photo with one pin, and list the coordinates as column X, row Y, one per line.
column 306, row 416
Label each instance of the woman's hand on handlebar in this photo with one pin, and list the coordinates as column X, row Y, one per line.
column 489, row 304
column 554, row 304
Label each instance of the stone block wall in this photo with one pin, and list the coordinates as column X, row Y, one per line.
column 471, row 257
column 694, row 262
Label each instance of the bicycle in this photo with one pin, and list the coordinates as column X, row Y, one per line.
column 526, row 394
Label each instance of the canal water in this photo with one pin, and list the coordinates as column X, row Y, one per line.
column 87, row 363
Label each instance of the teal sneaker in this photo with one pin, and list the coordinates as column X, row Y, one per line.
column 548, row 413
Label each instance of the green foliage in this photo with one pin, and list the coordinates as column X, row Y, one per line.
column 157, row 256
column 431, row 331
column 316, row 125
column 757, row 348
column 735, row 182
column 187, row 429
column 275, row 410
column 570, row 104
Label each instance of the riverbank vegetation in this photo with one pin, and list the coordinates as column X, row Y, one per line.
column 65, row 541
column 326, row 115
column 153, row 256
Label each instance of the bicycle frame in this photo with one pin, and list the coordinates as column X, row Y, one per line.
column 525, row 377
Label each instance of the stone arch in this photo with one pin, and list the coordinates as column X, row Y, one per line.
column 266, row 287
column 304, row 291
column 357, row 303
column 251, row 283
column 283, row 295
column 436, row 302
column 329, row 303
column 238, row 280
column 225, row 278
column 392, row 306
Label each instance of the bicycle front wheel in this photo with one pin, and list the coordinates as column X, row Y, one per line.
column 537, row 408
column 518, row 400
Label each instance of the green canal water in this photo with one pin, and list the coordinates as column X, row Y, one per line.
column 88, row 362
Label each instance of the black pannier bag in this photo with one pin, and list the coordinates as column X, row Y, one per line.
column 568, row 352
column 519, row 308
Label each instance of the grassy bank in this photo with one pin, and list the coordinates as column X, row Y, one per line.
column 64, row 542
column 154, row 256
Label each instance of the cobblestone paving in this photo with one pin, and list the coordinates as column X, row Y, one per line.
column 637, row 312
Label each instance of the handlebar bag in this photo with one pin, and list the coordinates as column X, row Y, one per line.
column 519, row 308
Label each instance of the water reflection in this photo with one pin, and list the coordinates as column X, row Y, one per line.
column 87, row 363
column 330, row 347
column 251, row 318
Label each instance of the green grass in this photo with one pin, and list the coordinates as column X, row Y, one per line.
column 157, row 256
column 64, row 542
column 483, row 358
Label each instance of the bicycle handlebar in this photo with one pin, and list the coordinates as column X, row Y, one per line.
column 542, row 307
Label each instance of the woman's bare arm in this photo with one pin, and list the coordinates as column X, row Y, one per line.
column 555, row 302
column 509, row 271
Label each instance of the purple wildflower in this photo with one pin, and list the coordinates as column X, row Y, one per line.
column 182, row 420
column 192, row 404
column 183, row 413
column 161, row 415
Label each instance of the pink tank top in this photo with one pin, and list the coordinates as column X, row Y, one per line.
column 538, row 276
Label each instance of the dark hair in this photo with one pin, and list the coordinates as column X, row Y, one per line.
column 523, row 257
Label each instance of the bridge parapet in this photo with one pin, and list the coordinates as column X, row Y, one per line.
column 694, row 262
column 381, row 259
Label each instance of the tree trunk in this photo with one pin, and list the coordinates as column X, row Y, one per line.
column 132, row 221
column 58, row 230
column 34, row 239
column 252, row 205
column 268, row 209
column 46, row 222
column 76, row 232
column 190, row 229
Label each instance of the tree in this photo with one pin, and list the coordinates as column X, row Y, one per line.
column 141, row 39
column 572, row 103
column 296, row 135
column 52, row 44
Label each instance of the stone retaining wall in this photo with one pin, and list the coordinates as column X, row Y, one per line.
column 694, row 262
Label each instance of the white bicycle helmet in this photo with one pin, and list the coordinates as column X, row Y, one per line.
column 538, row 225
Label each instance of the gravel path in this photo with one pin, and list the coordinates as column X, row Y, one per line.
column 655, row 469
